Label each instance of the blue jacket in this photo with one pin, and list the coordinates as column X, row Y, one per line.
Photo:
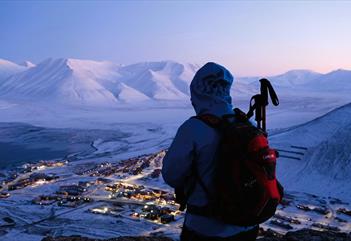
column 197, row 142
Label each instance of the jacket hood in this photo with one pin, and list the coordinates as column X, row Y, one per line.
column 210, row 90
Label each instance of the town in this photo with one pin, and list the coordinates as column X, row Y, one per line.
column 105, row 186
column 133, row 189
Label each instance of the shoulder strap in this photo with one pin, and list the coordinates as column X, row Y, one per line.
column 213, row 122
column 210, row 120
column 216, row 122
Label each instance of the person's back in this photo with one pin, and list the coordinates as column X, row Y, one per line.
column 193, row 151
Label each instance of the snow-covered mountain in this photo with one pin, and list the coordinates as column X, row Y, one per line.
column 58, row 80
column 338, row 80
column 8, row 68
column 91, row 83
column 295, row 78
column 71, row 81
column 86, row 82
column 166, row 80
column 307, row 80
column 325, row 165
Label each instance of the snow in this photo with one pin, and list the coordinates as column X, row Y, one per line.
column 27, row 64
column 92, row 83
column 166, row 80
column 325, row 166
column 8, row 68
column 59, row 81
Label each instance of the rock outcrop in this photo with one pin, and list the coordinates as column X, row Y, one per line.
column 306, row 235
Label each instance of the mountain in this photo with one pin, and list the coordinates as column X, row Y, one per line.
column 166, row 80
column 8, row 68
column 85, row 82
column 294, row 78
column 325, row 153
column 310, row 81
column 285, row 84
column 338, row 80
column 70, row 81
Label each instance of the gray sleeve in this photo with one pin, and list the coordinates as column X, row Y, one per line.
column 178, row 161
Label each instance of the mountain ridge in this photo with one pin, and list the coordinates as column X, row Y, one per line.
column 89, row 82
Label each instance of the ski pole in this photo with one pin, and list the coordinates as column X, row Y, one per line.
column 259, row 102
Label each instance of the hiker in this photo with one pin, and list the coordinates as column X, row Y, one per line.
column 194, row 149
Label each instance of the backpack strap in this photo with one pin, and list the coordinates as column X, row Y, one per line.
column 210, row 120
column 216, row 123
column 213, row 122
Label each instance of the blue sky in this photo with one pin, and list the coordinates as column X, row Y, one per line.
column 249, row 37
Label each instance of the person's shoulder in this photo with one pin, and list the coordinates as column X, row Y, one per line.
column 190, row 122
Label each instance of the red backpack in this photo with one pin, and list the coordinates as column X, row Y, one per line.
column 247, row 191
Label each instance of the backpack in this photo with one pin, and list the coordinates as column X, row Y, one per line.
column 247, row 191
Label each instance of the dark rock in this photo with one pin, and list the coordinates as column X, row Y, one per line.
column 281, row 224
column 314, row 235
column 8, row 220
column 270, row 235
column 306, row 235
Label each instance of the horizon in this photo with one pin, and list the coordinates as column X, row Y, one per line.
column 169, row 60
column 301, row 35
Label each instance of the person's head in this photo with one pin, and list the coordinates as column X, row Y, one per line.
column 210, row 90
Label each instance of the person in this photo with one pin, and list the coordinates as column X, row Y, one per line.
column 194, row 147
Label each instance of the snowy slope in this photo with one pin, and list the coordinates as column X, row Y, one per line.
column 166, row 80
column 107, row 75
column 70, row 81
column 338, row 80
column 295, row 78
column 8, row 68
column 285, row 84
column 27, row 64
column 306, row 81
column 325, row 165
column 85, row 82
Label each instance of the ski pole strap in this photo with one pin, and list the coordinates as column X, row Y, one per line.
column 265, row 88
column 255, row 105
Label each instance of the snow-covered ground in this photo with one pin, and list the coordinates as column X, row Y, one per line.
column 324, row 164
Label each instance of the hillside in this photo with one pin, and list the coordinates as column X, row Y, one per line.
column 322, row 145
column 295, row 78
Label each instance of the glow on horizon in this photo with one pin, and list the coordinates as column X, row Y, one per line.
column 250, row 38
